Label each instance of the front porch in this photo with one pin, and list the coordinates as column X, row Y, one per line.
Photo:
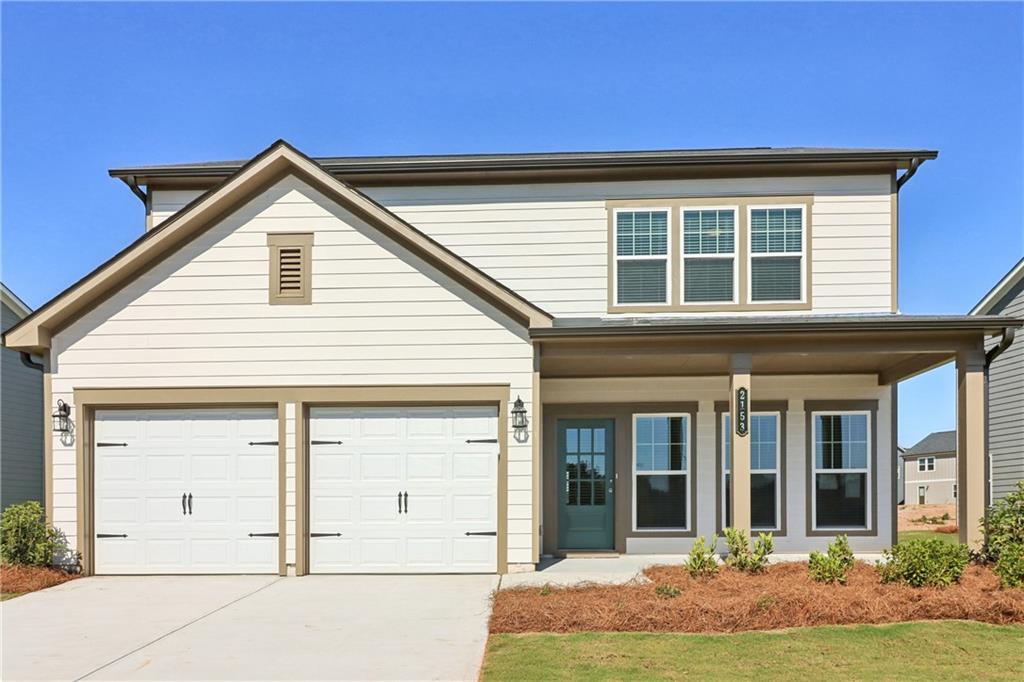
column 654, row 434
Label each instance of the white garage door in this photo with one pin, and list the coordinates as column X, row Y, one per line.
column 403, row 490
column 186, row 491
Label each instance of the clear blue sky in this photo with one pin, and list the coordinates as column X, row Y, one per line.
column 86, row 87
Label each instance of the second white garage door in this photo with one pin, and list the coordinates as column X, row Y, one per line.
column 403, row 490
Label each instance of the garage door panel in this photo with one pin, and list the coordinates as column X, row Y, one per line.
column 171, row 453
column 451, row 486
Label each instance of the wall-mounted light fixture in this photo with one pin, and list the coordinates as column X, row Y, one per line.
column 62, row 418
column 519, row 414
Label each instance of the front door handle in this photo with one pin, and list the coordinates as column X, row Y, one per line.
column 190, row 504
column 406, row 501
column 183, row 504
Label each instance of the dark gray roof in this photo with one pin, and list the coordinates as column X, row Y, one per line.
column 555, row 160
column 606, row 326
column 935, row 443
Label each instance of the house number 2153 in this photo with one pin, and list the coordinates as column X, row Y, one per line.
column 742, row 411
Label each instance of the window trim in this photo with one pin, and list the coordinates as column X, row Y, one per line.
column 925, row 465
column 614, row 244
column 735, row 256
column 678, row 203
column 290, row 240
column 690, row 492
column 804, row 267
column 869, row 488
column 779, row 453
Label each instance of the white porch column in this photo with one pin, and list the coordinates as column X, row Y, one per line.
column 970, row 445
column 739, row 422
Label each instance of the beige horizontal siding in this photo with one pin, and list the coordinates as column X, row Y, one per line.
column 379, row 316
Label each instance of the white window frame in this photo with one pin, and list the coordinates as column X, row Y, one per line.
column 735, row 256
column 868, row 489
column 804, row 208
column 777, row 470
column 688, row 472
column 616, row 257
column 925, row 465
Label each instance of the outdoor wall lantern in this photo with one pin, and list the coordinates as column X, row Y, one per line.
column 62, row 418
column 519, row 414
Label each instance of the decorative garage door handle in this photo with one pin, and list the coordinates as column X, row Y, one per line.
column 325, row 442
column 111, row 445
column 263, row 535
column 399, row 501
column 486, row 532
column 111, row 535
column 406, row 501
column 263, row 442
column 481, row 440
column 325, row 535
column 183, row 504
column 190, row 504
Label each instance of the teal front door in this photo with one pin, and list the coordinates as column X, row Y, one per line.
column 586, row 491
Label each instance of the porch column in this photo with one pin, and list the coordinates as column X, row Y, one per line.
column 970, row 445
column 739, row 423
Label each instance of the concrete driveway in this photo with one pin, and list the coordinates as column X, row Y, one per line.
column 248, row 628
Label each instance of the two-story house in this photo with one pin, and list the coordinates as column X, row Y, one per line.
column 460, row 363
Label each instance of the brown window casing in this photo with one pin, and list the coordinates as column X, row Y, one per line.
column 290, row 269
column 741, row 297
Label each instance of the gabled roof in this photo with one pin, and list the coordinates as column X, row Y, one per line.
column 277, row 161
column 1001, row 289
column 572, row 166
column 11, row 300
column 935, row 443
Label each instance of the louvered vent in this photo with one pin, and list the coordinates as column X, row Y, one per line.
column 290, row 271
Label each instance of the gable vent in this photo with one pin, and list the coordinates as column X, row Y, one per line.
column 290, row 268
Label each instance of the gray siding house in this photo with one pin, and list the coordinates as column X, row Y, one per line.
column 1005, row 389
column 930, row 470
column 21, row 417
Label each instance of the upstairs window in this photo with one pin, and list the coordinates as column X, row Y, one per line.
column 290, row 268
column 777, row 254
column 641, row 257
column 709, row 256
column 926, row 464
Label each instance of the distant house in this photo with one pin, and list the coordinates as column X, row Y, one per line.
column 21, row 416
column 930, row 470
column 1005, row 389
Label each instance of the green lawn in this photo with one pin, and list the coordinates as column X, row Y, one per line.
column 907, row 651
column 904, row 535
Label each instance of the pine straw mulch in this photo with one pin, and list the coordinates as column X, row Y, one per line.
column 19, row 579
column 731, row 601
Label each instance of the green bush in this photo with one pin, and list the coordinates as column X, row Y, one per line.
column 27, row 540
column 1005, row 525
column 1010, row 566
column 667, row 591
column 924, row 562
column 833, row 566
column 702, row 561
column 740, row 555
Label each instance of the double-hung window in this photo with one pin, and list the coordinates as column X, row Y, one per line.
column 926, row 464
column 777, row 252
column 709, row 255
column 765, row 500
column 661, row 472
column 642, row 257
column 842, row 470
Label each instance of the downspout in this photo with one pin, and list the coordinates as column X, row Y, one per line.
column 1005, row 342
column 133, row 185
column 915, row 163
column 26, row 359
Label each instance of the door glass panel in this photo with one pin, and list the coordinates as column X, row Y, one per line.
column 584, row 493
column 599, row 440
column 599, row 493
column 599, row 465
column 571, row 466
column 572, row 442
column 571, row 497
column 585, row 440
column 585, row 466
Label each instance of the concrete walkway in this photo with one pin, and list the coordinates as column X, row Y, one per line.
column 249, row 628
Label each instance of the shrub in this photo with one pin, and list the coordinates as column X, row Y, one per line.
column 765, row 602
column 932, row 520
column 949, row 530
column 1005, row 525
column 917, row 563
column 741, row 557
column 702, row 561
column 26, row 539
column 833, row 566
column 667, row 591
column 1010, row 566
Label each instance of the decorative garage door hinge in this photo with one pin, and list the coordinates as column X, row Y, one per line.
column 263, row 535
column 111, row 445
column 486, row 532
column 325, row 442
column 481, row 440
column 263, row 442
column 325, row 535
column 111, row 535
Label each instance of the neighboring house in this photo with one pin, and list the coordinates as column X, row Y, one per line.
column 900, row 475
column 1005, row 388
column 21, row 415
column 930, row 470
column 460, row 363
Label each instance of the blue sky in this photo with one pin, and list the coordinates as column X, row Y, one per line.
column 86, row 87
